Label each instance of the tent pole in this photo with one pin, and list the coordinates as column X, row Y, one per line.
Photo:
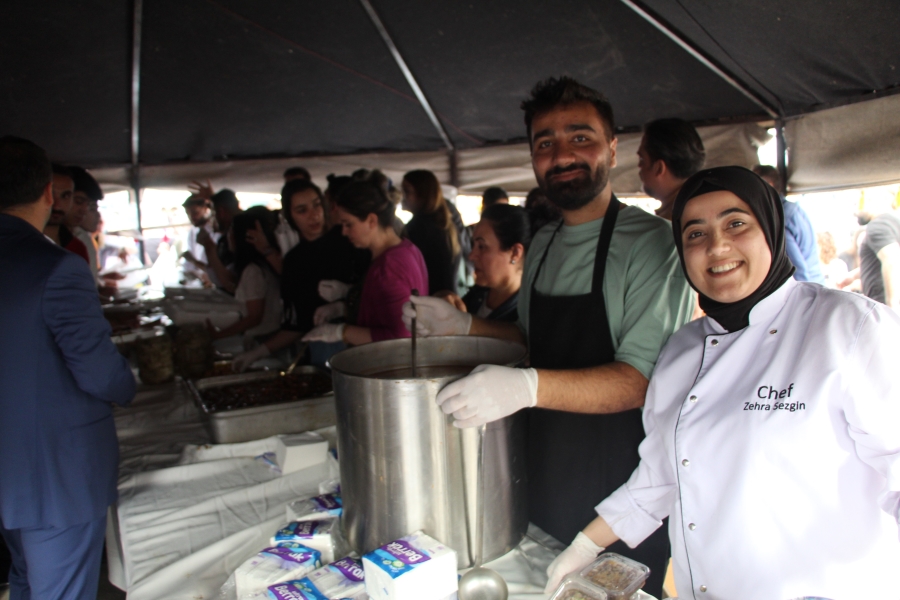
column 137, row 29
column 410, row 78
column 701, row 56
column 453, row 158
column 781, row 151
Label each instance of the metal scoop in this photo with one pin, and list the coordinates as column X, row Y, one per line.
column 481, row 583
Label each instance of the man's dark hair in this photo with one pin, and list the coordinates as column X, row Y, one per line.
column 24, row 171
column 676, row 143
column 85, row 182
column 59, row 169
column 225, row 198
column 492, row 195
column 565, row 91
column 296, row 172
column 771, row 175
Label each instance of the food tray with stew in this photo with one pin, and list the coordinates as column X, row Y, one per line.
column 250, row 406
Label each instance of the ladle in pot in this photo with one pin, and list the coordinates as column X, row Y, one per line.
column 481, row 583
column 415, row 292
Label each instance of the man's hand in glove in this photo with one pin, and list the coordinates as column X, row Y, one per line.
column 580, row 554
column 330, row 311
column 328, row 333
column 435, row 316
column 332, row 289
column 242, row 361
column 488, row 393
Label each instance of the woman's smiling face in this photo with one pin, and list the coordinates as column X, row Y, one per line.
column 725, row 251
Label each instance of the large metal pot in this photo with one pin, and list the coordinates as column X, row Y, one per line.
column 404, row 467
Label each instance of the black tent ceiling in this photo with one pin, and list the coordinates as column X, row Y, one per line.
column 231, row 79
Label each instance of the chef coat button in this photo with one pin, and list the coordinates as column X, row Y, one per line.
column 702, row 588
column 685, row 462
column 694, row 398
column 691, row 526
column 715, row 342
column 773, row 331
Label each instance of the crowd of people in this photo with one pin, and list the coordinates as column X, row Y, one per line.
column 685, row 368
column 334, row 267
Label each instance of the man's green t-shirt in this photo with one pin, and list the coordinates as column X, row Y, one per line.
column 647, row 296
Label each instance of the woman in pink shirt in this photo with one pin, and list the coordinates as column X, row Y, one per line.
column 366, row 215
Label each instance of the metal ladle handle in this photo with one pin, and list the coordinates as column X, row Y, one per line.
column 415, row 292
column 479, row 500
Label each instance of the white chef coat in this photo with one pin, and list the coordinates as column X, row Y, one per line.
column 775, row 452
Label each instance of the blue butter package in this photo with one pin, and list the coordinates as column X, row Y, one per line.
column 343, row 579
column 414, row 567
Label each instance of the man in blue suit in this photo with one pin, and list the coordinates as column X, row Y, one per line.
column 59, row 375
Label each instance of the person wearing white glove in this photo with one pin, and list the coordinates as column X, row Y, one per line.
column 328, row 333
column 332, row 290
column 602, row 290
column 577, row 556
column 489, row 393
column 330, row 311
column 435, row 316
column 243, row 361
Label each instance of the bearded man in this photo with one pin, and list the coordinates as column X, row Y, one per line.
column 602, row 291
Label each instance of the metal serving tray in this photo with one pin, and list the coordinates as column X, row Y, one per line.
column 246, row 424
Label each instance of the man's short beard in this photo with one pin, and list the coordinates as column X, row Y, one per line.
column 575, row 193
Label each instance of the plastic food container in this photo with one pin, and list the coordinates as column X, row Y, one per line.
column 574, row 587
column 618, row 576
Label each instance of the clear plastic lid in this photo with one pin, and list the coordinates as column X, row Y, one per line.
column 620, row 577
column 574, row 587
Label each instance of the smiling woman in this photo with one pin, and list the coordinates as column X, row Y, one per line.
column 725, row 251
column 771, row 425
column 730, row 235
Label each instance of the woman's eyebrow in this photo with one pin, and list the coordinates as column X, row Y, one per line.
column 728, row 211
column 693, row 222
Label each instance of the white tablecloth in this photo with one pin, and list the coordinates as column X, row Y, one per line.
column 179, row 530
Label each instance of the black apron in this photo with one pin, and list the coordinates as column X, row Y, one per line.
column 576, row 460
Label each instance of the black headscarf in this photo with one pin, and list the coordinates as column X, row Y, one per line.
column 765, row 203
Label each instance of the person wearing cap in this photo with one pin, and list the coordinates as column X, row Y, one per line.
column 772, row 443
column 199, row 213
column 84, row 218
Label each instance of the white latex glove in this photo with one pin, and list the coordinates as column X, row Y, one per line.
column 245, row 359
column 580, row 554
column 332, row 289
column 329, row 332
column 435, row 316
column 329, row 311
column 488, row 393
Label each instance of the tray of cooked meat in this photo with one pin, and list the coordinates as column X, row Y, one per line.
column 249, row 406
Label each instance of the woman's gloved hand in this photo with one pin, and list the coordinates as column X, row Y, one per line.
column 329, row 333
column 242, row 361
column 435, row 316
column 580, row 554
column 487, row 394
column 332, row 289
column 329, row 311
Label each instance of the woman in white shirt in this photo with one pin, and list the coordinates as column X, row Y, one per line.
column 773, row 424
column 258, row 288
